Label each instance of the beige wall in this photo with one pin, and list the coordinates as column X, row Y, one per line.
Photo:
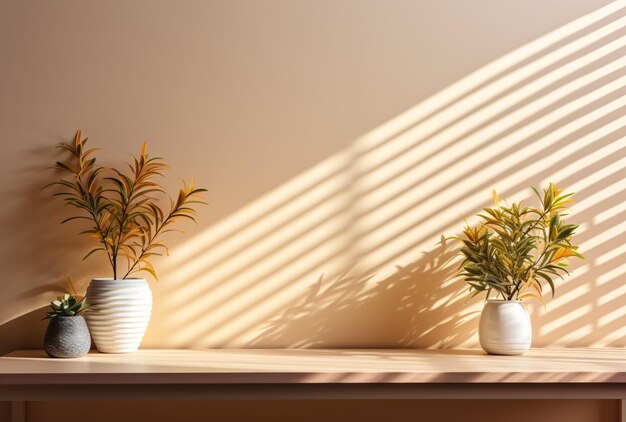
column 338, row 140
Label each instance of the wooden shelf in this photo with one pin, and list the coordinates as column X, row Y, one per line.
column 315, row 374
column 244, row 366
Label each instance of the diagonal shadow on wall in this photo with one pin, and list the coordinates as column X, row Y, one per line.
column 343, row 255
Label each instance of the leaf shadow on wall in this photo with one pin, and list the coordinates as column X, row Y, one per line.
column 349, row 307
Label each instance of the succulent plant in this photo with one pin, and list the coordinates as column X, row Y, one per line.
column 67, row 305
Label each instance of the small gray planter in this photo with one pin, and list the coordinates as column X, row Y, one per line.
column 67, row 337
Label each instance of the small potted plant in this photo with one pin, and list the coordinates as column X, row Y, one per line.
column 67, row 335
column 127, row 221
column 512, row 254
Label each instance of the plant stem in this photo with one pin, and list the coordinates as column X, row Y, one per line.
column 92, row 213
column 123, row 223
column 537, row 222
column 515, row 290
column 102, row 238
column 143, row 250
column 537, row 260
column 519, row 283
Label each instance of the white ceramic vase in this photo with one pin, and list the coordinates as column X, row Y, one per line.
column 505, row 327
column 119, row 313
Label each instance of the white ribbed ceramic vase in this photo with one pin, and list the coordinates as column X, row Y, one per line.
column 119, row 313
column 505, row 327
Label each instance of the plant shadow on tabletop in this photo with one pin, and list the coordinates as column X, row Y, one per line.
column 413, row 307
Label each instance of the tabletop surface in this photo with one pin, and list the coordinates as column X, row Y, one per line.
column 600, row 365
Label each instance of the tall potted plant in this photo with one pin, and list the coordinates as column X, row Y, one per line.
column 127, row 221
column 511, row 255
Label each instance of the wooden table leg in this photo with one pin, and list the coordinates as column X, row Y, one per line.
column 18, row 411
column 622, row 410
